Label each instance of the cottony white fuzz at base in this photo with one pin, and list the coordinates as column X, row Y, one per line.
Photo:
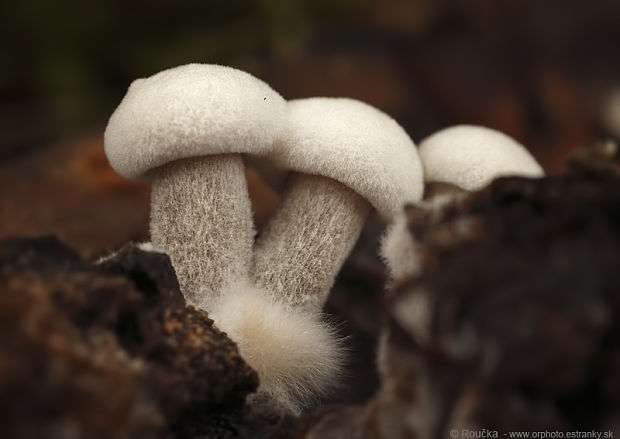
column 297, row 355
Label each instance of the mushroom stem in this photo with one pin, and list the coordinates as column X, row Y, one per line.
column 201, row 216
column 307, row 240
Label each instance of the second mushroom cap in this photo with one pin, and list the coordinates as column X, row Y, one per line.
column 355, row 144
column 470, row 157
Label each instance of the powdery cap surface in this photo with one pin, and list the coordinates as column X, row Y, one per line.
column 355, row 144
column 188, row 111
column 471, row 157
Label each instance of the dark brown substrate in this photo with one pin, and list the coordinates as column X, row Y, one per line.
column 521, row 284
column 110, row 350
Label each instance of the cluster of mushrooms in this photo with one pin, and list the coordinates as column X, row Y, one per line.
column 188, row 131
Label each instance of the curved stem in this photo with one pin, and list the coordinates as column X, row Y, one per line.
column 307, row 240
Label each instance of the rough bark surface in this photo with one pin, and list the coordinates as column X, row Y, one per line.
column 110, row 350
column 512, row 322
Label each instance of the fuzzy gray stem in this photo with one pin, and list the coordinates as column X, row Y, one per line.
column 201, row 216
column 307, row 240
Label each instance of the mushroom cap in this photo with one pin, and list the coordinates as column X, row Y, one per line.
column 188, row 111
column 470, row 157
column 356, row 145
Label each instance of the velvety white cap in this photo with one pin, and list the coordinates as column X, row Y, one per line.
column 188, row 111
column 355, row 144
column 470, row 157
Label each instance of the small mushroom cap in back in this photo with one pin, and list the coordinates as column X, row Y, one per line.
column 470, row 157
column 189, row 111
column 355, row 144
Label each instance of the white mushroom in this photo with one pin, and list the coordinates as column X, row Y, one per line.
column 469, row 157
column 456, row 160
column 349, row 157
column 184, row 129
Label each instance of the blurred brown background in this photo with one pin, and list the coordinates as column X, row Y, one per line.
column 538, row 70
